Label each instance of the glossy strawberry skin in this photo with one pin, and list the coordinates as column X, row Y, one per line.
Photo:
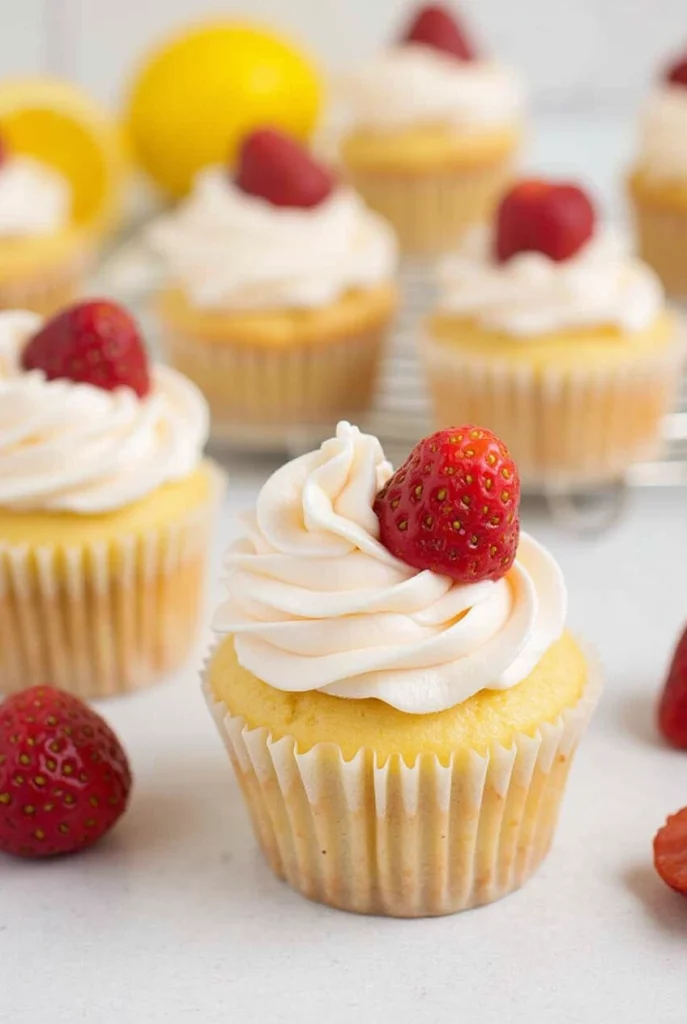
column 435, row 26
column 64, row 777
column 95, row 342
column 452, row 507
column 540, row 216
column 670, row 852
column 276, row 168
column 672, row 708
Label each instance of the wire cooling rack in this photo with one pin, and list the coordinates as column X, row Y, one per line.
column 401, row 413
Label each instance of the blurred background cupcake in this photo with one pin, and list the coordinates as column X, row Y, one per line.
column 658, row 183
column 282, row 291
column 434, row 130
column 551, row 333
column 106, row 504
column 62, row 170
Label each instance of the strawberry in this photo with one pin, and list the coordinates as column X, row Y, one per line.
column 95, row 342
column 452, row 507
column 677, row 74
column 670, row 852
column 540, row 216
column 275, row 167
column 672, row 708
column 64, row 777
column 435, row 26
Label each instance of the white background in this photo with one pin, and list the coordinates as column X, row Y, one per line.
column 585, row 53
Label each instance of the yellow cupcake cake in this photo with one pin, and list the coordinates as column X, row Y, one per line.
column 552, row 335
column 434, row 130
column 61, row 171
column 657, row 184
column 393, row 680
column 106, row 505
column 282, row 292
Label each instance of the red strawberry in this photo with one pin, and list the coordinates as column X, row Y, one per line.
column 434, row 25
column 64, row 777
column 672, row 709
column 540, row 216
column 677, row 74
column 275, row 167
column 95, row 342
column 670, row 851
column 452, row 507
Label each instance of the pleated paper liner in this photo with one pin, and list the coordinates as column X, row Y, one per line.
column 405, row 841
column 565, row 428
column 101, row 619
column 662, row 242
column 46, row 290
column 256, row 393
column 431, row 212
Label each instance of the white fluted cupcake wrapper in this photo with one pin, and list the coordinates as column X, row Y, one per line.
column 101, row 619
column 255, row 392
column 399, row 840
column 45, row 290
column 565, row 428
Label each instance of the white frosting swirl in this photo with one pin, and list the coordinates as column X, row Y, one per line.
column 316, row 602
column 77, row 448
column 663, row 133
column 34, row 199
column 531, row 294
column 232, row 250
column 415, row 85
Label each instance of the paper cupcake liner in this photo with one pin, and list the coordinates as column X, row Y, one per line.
column 104, row 618
column 565, row 428
column 662, row 242
column 431, row 212
column 48, row 289
column 399, row 840
column 257, row 390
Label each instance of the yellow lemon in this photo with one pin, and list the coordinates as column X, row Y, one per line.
column 58, row 124
column 198, row 95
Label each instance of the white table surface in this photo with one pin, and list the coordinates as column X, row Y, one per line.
column 174, row 918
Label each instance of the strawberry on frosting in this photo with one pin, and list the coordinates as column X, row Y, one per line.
column 452, row 507
column 434, row 25
column 95, row 342
column 554, row 218
column 275, row 167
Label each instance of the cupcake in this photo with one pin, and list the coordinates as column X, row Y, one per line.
column 434, row 130
column 393, row 679
column 658, row 183
column 550, row 333
column 106, row 505
column 282, row 292
column 62, row 172
column 43, row 257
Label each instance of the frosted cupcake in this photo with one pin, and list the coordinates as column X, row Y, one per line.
column 552, row 334
column 658, row 183
column 43, row 255
column 434, row 132
column 282, row 293
column 393, row 679
column 106, row 505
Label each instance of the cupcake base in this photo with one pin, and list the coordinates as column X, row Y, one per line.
column 386, row 837
column 47, row 283
column 106, row 616
column 262, row 375
column 567, row 426
column 662, row 242
column 431, row 213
